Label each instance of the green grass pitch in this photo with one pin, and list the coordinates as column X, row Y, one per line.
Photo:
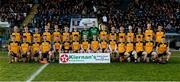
column 92, row 72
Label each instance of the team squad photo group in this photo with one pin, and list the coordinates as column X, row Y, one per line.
column 134, row 45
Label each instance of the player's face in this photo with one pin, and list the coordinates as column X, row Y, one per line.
column 66, row 29
column 159, row 28
column 24, row 39
column 36, row 30
column 44, row 38
column 130, row 28
column 35, row 39
column 113, row 29
column 94, row 37
column 148, row 26
column 85, row 37
column 163, row 40
column 103, row 27
column 139, row 30
column 75, row 38
column 26, row 29
column 149, row 38
column 129, row 39
column 121, row 29
column 15, row 29
column 46, row 29
column 13, row 38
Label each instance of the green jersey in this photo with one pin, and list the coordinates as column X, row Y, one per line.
column 93, row 31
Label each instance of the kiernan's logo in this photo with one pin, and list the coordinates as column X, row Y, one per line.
column 64, row 58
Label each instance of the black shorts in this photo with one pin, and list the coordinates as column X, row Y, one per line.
column 149, row 55
column 36, row 54
column 139, row 54
column 121, row 54
column 162, row 54
column 13, row 54
column 45, row 55
column 24, row 55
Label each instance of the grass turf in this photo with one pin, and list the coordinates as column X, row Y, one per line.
column 93, row 72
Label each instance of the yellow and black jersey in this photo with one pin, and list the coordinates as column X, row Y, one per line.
column 75, row 34
column 113, row 34
column 112, row 44
column 103, row 34
column 121, row 47
column 75, row 45
column 28, row 36
column 122, row 36
column 48, row 36
column 94, row 45
column 104, row 44
column 45, row 46
column 129, row 47
column 35, row 47
column 148, row 33
column 17, row 36
column 139, row 37
column 67, row 45
column 139, row 46
column 159, row 35
column 56, row 34
column 85, row 45
column 25, row 47
column 57, row 45
column 162, row 47
column 65, row 36
column 131, row 35
column 14, row 46
column 148, row 46
column 38, row 35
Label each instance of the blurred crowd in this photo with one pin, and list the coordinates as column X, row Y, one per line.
column 14, row 11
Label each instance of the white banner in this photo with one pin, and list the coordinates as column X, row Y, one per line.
column 84, row 58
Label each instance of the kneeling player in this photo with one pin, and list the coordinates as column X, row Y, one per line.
column 148, row 50
column 103, row 45
column 35, row 49
column 85, row 46
column 121, row 49
column 129, row 54
column 13, row 50
column 45, row 50
column 113, row 48
column 75, row 44
column 25, row 49
column 162, row 50
column 56, row 48
column 139, row 51
column 66, row 46
column 94, row 45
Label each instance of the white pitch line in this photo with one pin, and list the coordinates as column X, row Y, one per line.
column 37, row 72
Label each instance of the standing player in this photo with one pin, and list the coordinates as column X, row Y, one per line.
column 113, row 34
column 121, row 49
column 35, row 49
column 149, row 33
column 130, row 34
column 45, row 50
column 47, row 34
column 37, row 35
column 139, row 35
column 85, row 46
column 162, row 50
column 56, row 48
column 66, row 34
column 93, row 31
column 113, row 47
column 159, row 34
column 56, row 34
column 13, row 49
column 149, row 50
column 103, row 33
column 75, row 45
column 121, row 34
column 16, row 33
column 27, row 34
column 94, row 44
column 25, row 49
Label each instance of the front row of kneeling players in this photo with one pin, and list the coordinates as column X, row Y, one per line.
column 120, row 51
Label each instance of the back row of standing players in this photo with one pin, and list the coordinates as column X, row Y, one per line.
column 46, row 46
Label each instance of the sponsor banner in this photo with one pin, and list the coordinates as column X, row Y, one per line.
column 84, row 58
